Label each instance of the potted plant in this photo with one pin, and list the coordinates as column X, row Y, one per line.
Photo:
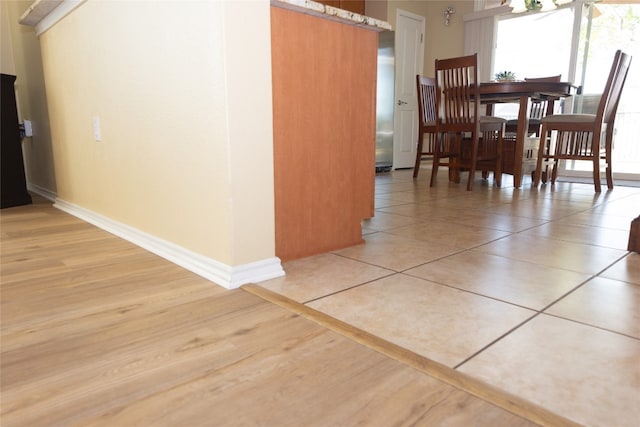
column 505, row 76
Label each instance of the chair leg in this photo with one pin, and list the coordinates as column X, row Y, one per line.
column 436, row 163
column 609, row 173
column 554, row 171
column 596, row 172
column 498, row 172
column 595, row 158
column 552, row 161
column 474, row 158
column 537, row 177
column 608, row 156
column 454, row 145
column 416, row 168
column 538, row 171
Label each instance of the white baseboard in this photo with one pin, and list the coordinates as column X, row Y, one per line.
column 230, row 277
column 41, row 191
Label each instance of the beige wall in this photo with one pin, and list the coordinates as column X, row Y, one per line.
column 441, row 41
column 183, row 94
column 23, row 53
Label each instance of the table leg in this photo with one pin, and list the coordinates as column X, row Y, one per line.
column 488, row 109
column 523, row 127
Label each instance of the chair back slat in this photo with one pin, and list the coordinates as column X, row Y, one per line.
column 426, row 99
column 456, row 80
column 538, row 109
column 611, row 95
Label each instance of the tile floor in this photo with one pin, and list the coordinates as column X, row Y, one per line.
column 530, row 290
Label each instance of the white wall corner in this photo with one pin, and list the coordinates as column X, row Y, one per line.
column 229, row 277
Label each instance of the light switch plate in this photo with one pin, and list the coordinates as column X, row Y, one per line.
column 97, row 132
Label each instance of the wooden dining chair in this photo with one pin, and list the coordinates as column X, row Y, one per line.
column 468, row 142
column 426, row 119
column 579, row 136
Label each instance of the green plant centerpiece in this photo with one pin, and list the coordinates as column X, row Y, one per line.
column 507, row 76
column 530, row 4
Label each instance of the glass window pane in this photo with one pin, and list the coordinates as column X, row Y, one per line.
column 539, row 44
column 613, row 26
column 535, row 44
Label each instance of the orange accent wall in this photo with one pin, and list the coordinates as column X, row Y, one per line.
column 324, row 89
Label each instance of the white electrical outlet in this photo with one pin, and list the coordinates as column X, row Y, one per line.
column 97, row 132
column 28, row 128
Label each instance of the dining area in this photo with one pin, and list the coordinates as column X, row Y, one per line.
column 457, row 127
column 324, row 66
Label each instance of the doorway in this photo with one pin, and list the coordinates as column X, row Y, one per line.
column 409, row 48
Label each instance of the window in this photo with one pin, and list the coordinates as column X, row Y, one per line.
column 536, row 44
column 606, row 28
column 523, row 40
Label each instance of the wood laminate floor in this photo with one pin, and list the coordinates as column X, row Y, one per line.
column 497, row 307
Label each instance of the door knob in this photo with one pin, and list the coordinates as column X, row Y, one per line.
column 401, row 102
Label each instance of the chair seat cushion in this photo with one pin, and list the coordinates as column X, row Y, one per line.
column 570, row 118
column 492, row 119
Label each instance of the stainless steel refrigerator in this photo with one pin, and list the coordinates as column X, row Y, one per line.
column 384, row 101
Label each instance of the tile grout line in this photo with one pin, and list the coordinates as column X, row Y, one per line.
column 545, row 221
column 557, row 316
column 537, row 313
column 543, row 311
column 391, row 273
column 513, row 329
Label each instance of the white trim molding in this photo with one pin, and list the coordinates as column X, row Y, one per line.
column 44, row 14
column 41, row 191
column 227, row 276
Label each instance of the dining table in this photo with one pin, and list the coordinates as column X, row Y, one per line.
column 523, row 93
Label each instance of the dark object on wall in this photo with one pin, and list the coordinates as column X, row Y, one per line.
column 13, row 191
column 634, row 236
column 356, row 6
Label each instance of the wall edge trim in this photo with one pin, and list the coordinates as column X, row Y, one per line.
column 230, row 277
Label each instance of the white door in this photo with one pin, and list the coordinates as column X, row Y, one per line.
column 409, row 48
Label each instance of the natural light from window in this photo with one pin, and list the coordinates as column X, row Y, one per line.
column 538, row 44
column 535, row 45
